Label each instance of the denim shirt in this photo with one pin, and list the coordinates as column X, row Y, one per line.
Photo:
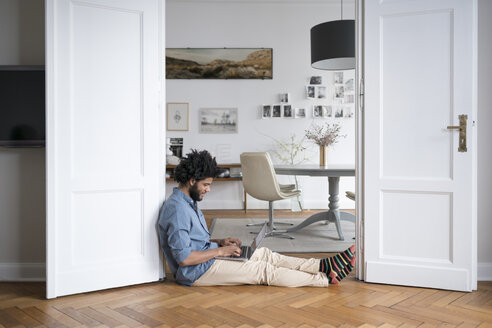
column 182, row 229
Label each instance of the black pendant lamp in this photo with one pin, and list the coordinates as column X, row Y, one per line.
column 333, row 45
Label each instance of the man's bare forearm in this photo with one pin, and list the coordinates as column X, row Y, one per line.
column 197, row 257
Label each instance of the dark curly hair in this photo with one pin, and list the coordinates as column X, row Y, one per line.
column 198, row 165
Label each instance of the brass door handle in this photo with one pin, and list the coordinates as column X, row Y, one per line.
column 462, row 129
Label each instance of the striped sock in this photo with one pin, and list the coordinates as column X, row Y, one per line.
column 338, row 266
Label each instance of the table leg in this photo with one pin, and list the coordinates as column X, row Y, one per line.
column 333, row 214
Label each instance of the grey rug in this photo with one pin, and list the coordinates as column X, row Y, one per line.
column 315, row 238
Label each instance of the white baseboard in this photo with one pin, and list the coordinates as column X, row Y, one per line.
column 484, row 271
column 22, row 272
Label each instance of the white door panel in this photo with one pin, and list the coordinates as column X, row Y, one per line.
column 103, row 144
column 419, row 197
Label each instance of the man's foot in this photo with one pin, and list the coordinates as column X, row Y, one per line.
column 339, row 266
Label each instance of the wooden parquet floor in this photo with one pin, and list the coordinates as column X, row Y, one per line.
column 166, row 304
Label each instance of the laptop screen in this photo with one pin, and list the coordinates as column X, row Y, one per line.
column 259, row 237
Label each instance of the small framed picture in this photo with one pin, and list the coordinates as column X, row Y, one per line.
column 349, row 85
column 317, row 111
column 284, row 97
column 300, row 113
column 287, row 111
column 348, row 112
column 315, row 80
column 266, row 111
column 277, row 111
column 338, row 77
column 321, row 92
column 339, row 111
column 177, row 116
column 218, row 120
column 327, row 111
column 348, row 99
column 310, row 91
column 339, row 92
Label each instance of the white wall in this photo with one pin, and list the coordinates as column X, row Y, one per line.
column 484, row 137
column 285, row 27
column 22, row 171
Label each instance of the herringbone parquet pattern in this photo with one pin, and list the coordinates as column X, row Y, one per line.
column 350, row 304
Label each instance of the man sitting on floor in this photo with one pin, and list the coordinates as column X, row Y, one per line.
column 191, row 254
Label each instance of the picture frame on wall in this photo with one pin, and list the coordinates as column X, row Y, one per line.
column 310, row 92
column 177, row 118
column 287, row 111
column 300, row 113
column 317, row 111
column 266, row 111
column 219, row 63
column 277, row 110
column 284, row 97
column 218, row 120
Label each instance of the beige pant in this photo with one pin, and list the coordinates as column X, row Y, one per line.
column 265, row 268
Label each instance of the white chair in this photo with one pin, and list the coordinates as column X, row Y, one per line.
column 260, row 181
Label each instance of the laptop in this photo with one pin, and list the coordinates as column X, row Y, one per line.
column 247, row 251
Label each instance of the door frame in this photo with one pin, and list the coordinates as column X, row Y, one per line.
column 359, row 139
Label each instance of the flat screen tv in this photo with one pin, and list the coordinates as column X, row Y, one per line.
column 22, row 106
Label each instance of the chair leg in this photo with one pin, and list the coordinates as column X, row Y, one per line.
column 278, row 235
column 255, row 224
column 273, row 232
column 273, row 228
column 270, row 219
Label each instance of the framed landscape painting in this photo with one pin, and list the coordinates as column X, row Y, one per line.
column 218, row 120
column 219, row 63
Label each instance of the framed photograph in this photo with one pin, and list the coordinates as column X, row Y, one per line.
column 285, row 97
column 300, row 113
column 321, row 92
column 317, row 111
column 310, row 91
column 277, row 111
column 177, row 117
column 315, row 80
column 266, row 111
column 348, row 112
column 218, row 120
column 219, row 63
column 287, row 111
column 339, row 92
column 348, row 99
column 339, row 112
column 349, row 85
column 338, row 77
column 327, row 111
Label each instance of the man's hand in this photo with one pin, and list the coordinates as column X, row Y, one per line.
column 229, row 251
column 229, row 242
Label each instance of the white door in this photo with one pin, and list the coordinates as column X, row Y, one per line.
column 103, row 147
column 420, row 191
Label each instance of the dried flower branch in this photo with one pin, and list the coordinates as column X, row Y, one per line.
column 325, row 135
column 291, row 152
